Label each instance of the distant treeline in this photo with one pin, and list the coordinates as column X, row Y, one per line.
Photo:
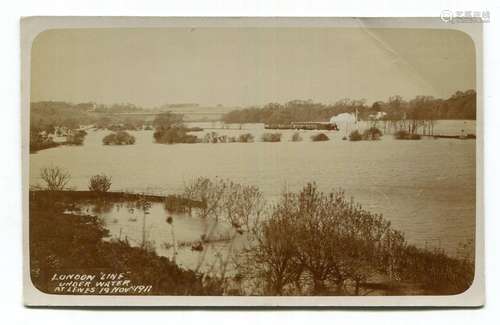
column 45, row 116
column 461, row 105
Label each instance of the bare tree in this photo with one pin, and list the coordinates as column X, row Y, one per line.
column 55, row 178
column 240, row 205
column 226, row 202
column 273, row 255
column 209, row 193
column 145, row 205
column 319, row 241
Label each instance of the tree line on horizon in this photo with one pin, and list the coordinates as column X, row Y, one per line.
column 460, row 106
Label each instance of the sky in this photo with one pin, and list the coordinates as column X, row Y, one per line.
column 150, row 67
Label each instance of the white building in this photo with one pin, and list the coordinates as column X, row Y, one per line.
column 346, row 122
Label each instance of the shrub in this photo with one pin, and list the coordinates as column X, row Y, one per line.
column 210, row 137
column 372, row 133
column 214, row 137
column 322, row 237
column 401, row 135
column 435, row 271
column 133, row 123
column 100, row 183
column 327, row 244
column 109, row 139
column 76, row 138
column 355, row 136
column 320, row 137
column 168, row 120
column 39, row 141
column 194, row 129
column 271, row 137
column 405, row 135
column 296, row 137
column 119, row 138
column 174, row 135
column 245, row 138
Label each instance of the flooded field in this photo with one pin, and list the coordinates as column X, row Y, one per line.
column 127, row 222
column 422, row 187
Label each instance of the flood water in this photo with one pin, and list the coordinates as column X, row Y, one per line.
column 126, row 222
column 425, row 188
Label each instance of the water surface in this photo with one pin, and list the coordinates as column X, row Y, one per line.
column 425, row 188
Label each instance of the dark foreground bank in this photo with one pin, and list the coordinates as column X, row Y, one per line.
column 310, row 243
column 63, row 244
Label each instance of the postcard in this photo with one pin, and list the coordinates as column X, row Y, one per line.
column 304, row 162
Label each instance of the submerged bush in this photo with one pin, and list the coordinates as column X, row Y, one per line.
column 320, row 137
column 76, row 138
column 118, row 138
column 245, row 138
column 174, row 135
column 271, row 137
column 194, row 129
column 296, row 137
column 355, row 136
column 211, row 137
column 401, row 135
column 405, row 135
column 372, row 133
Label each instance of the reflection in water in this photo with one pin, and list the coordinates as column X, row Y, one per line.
column 101, row 207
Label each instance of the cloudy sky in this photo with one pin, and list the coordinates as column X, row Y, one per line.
column 248, row 66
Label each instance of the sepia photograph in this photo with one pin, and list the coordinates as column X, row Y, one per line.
column 252, row 159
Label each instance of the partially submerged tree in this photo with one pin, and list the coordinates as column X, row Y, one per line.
column 144, row 205
column 296, row 137
column 209, row 193
column 319, row 137
column 271, row 137
column 119, row 138
column 236, row 205
column 245, row 138
column 167, row 120
column 272, row 258
column 55, row 178
column 318, row 241
column 355, row 136
column 373, row 133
